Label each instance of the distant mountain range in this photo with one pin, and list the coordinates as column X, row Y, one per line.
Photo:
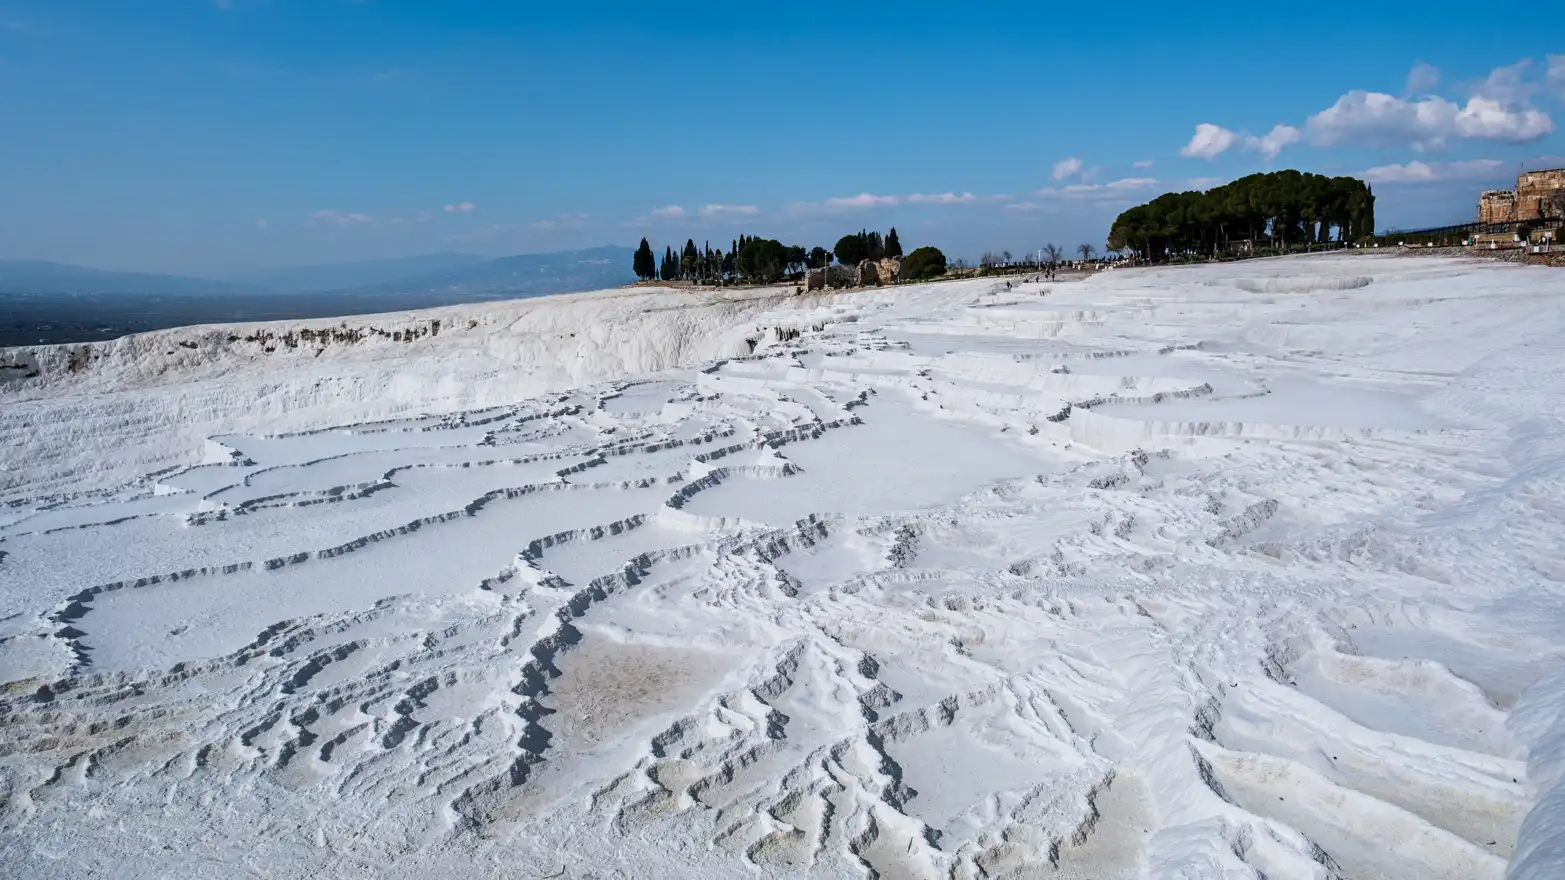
column 40, row 277
column 42, row 302
column 362, row 273
column 521, row 275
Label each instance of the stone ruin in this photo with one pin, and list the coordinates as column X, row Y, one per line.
column 1534, row 198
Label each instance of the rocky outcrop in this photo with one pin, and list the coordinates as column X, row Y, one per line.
column 890, row 269
column 869, row 274
column 815, row 279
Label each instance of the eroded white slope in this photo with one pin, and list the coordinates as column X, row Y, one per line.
column 1234, row 572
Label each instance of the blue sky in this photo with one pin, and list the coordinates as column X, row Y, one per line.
column 221, row 136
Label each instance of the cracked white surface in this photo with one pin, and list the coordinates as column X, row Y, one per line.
column 1244, row 571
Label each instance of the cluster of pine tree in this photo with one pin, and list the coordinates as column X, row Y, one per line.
column 857, row 247
column 757, row 260
column 1278, row 210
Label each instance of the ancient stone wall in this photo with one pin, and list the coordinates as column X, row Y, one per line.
column 1534, row 192
column 869, row 273
column 1497, row 206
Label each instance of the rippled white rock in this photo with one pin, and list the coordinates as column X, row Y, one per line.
column 1207, row 572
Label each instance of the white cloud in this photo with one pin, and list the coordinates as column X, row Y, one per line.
column 1498, row 108
column 1412, row 171
column 1420, row 172
column 1422, row 79
column 668, row 212
column 1273, row 142
column 1114, row 189
column 1506, row 85
column 1131, row 183
column 862, row 200
column 1144, row 163
column 1208, row 142
column 1066, row 168
column 461, row 208
column 1379, row 119
column 711, row 211
column 1490, row 120
column 339, row 218
column 942, row 198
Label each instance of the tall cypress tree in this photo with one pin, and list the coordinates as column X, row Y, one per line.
column 644, row 264
column 893, row 246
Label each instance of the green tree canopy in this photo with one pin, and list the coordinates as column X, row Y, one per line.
column 762, row 260
column 851, row 249
column 924, row 263
column 644, row 263
column 893, row 244
column 857, row 247
column 1280, row 208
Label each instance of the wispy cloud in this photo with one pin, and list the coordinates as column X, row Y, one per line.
column 1421, row 172
column 1144, row 163
column 1066, row 168
column 668, row 212
column 711, row 211
column 965, row 198
column 260, row 223
column 862, row 200
column 1422, row 79
column 380, row 78
column 338, row 218
column 560, row 221
column 461, row 208
column 1124, row 189
column 1113, row 188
